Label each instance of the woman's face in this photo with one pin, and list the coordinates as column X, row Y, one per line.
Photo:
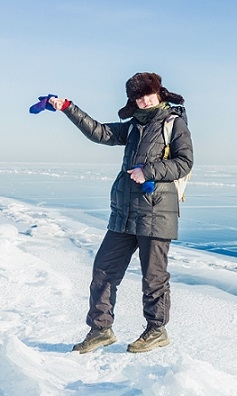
column 147, row 101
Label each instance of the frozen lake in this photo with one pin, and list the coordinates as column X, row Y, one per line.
column 208, row 216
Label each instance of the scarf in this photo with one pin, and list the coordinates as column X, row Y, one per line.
column 144, row 116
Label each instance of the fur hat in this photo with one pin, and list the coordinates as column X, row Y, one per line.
column 142, row 84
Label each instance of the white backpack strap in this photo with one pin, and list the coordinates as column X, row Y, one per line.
column 167, row 132
column 181, row 183
column 168, row 126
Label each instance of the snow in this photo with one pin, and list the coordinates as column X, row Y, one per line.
column 46, row 261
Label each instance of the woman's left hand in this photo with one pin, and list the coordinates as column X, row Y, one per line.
column 137, row 175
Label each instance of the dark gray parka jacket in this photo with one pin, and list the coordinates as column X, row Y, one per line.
column 132, row 211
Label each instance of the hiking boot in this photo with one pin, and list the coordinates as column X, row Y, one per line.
column 151, row 338
column 94, row 339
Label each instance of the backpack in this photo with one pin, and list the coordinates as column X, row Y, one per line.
column 181, row 183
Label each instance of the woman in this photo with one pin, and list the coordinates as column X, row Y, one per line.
column 141, row 218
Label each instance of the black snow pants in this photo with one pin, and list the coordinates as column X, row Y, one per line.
column 110, row 264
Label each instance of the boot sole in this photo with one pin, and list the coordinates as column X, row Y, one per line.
column 95, row 346
column 147, row 349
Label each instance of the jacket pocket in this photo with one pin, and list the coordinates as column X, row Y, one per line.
column 152, row 199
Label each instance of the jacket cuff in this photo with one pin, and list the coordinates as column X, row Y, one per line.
column 146, row 169
column 66, row 104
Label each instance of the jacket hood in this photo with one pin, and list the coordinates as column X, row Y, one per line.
column 180, row 111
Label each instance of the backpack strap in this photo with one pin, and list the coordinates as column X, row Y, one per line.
column 182, row 182
column 168, row 126
column 167, row 131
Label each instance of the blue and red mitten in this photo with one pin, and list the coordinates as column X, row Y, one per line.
column 148, row 187
column 43, row 104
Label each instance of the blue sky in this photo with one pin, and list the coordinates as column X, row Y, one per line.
column 86, row 51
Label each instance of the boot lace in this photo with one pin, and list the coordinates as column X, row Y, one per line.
column 148, row 331
column 90, row 334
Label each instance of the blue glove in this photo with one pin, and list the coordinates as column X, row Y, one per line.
column 43, row 104
column 148, row 187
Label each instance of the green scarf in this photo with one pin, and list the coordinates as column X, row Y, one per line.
column 144, row 116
